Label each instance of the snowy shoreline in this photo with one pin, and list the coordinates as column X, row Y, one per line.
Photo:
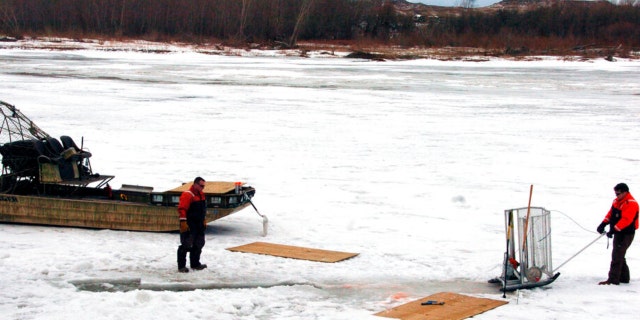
column 305, row 49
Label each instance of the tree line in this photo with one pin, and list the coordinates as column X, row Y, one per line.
column 577, row 24
column 195, row 20
column 287, row 21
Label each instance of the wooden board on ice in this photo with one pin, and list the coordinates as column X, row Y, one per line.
column 456, row 306
column 280, row 250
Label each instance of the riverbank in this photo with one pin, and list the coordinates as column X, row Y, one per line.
column 328, row 49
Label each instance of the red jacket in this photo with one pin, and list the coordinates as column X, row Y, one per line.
column 628, row 208
column 186, row 199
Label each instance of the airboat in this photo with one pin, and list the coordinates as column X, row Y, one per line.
column 46, row 181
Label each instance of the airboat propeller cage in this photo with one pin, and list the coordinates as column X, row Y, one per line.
column 534, row 252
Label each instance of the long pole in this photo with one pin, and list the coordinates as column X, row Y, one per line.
column 526, row 229
column 506, row 254
column 577, row 253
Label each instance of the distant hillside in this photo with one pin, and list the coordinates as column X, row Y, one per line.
column 406, row 7
column 410, row 8
column 534, row 4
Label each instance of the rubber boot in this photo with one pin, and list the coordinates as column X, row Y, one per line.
column 194, row 257
column 182, row 257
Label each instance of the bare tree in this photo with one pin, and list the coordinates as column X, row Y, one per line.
column 467, row 3
column 302, row 16
column 243, row 19
column 122, row 12
column 8, row 15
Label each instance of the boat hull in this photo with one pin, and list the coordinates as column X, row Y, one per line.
column 96, row 213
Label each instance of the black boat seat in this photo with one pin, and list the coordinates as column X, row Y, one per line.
column 53, row 147
column 68, row 142
column 43, row 155
column 55, row 153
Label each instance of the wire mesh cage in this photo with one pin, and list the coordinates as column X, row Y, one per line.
column 528, row 258
column 535, row 242
column 15, row 126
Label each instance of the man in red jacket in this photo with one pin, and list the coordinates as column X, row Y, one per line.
column 192, row 210
column 622, row 219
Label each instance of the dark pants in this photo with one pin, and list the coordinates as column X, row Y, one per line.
column 191, row 241
column 619, row 270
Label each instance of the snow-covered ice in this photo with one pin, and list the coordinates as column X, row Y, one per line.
column 409, row 163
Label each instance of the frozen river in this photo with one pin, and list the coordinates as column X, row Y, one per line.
column 409, row 163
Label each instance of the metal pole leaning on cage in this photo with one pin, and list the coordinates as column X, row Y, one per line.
column 577, row 253
column 525, row 256
column 506, row 254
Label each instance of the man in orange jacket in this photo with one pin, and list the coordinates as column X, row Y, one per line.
column 192, row 211
column 622, row 219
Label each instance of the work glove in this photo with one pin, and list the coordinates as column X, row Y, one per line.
column 610, row 233
column 183, row 226
column 601, row 227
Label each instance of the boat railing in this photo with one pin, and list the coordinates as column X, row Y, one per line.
column 171, row 199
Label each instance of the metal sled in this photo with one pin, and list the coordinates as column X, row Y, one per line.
column 532, row 266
